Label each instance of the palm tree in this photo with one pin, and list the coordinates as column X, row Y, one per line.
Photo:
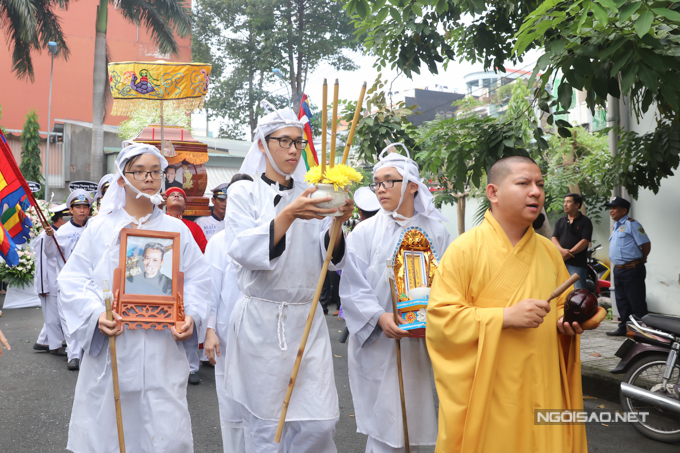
column 30, row 25
column 164, row 18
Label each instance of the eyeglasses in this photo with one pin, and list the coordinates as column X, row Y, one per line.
column 286, row 143
column 141, row 175
column 388, row 184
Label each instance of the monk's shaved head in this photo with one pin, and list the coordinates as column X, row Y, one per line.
column 503, row 167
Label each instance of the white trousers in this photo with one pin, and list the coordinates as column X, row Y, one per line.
column 73, row 348
column 233, row 439
column 51, row 334
column 375, row 446
column 191, row 348
column 309, row 436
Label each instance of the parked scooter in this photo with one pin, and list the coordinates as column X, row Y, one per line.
column 598, row 272
column 651, row 384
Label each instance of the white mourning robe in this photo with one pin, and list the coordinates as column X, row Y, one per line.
column 211, row 225
column 267, row 323
column 45, row 284
column 372, row 357
column 152, row 366
column 224, row 294
column 67, row 236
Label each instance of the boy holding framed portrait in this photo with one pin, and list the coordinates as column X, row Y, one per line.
column 161, row 286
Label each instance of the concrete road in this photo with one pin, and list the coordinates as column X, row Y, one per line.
column 36, row 394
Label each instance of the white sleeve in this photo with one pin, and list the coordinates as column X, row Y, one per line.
column 214, row 256
column 251, row 233
column 196, row 283
column 78, row 295
column 360, row 304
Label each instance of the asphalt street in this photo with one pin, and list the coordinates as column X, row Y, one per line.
column 36, row 394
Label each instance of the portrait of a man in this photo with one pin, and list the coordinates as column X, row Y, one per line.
column 172, row 178
column 150, row 281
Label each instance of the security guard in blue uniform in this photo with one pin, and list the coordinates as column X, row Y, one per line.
column 629, row 246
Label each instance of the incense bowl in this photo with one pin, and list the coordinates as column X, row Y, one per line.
column 338, row 201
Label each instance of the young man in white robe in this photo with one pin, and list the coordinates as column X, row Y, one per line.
column 45, row 283
column 214, row 223
column 277, row 236
column 79, row 203
column 225, row 294
column 152, row 365
column 367, row 306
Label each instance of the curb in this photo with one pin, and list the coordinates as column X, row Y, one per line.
column 600, row 384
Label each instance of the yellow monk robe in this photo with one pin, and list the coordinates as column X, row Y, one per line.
column 491, row 380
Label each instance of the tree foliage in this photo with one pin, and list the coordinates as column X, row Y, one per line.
column 30, row 151
column 407, row 34
column 29, row 26
column 623, row 49
column 385, row 123
column 247, row 39
column 172, row 116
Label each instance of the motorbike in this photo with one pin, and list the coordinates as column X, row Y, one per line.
column 651, row 381
column 598, row 272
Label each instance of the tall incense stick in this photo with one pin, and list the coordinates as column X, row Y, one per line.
column 355, row 120
column 324, row 127
column 334, row 122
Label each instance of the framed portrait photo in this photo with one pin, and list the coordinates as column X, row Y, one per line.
column 148, row 286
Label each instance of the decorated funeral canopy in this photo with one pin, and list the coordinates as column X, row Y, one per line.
column 140, row 82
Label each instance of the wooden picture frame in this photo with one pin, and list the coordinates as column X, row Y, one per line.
column 143, row 293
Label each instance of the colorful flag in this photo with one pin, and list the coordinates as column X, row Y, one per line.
column 14, row 200
column 309, row 154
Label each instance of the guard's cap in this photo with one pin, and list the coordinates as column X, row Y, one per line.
column 176, row 189
column 79, row 196
column 618, row 201
column 221, row 191
column 55, row 208
column 366, row 200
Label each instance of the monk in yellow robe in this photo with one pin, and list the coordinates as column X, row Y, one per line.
column 500, row 351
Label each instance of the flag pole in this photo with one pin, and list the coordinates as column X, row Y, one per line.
column 334, row 122
column 114, row 365
column 399, row 369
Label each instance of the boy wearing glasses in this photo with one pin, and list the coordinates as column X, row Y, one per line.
column 367, row 306
column 68, row 235
column 277, row 239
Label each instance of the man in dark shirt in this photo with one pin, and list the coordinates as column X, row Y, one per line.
column 572, row 235
column 151, row 281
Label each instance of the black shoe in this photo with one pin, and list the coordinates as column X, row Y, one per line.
column 617, row 333
column 73, row 365
column 60, row 352
column 194, row 379
column 40, row 347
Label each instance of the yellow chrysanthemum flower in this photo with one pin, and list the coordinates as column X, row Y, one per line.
column 340, row 176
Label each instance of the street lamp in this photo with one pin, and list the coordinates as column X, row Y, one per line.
column 52, row 47
column 277, row 72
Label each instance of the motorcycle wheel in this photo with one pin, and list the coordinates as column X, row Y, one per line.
column 659, row 425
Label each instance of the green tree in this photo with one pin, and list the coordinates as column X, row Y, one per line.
column 578, row 164
column 386, row 122
column 249, row 38
column 29, row 26
column 164, row 19
column 408, row 34
column 30, row 151
column 622, row 49
column 142, row 117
